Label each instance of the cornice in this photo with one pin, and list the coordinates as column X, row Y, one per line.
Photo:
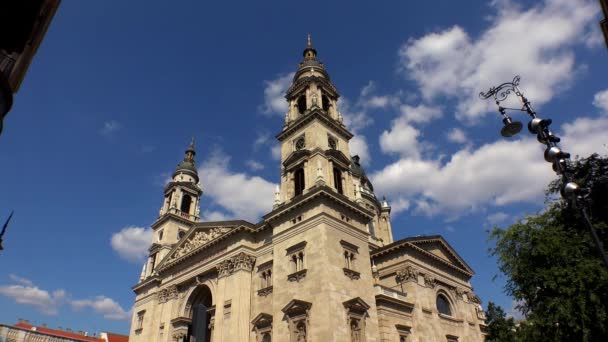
column 188, row 185
column 316, row 192
column 300, row 83
column 306, row 118
column 169, row 216
column 154, row 280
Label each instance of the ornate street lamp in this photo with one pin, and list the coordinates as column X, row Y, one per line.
column 553, row 154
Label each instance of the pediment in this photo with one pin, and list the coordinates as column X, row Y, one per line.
column 262, row 320
column 296, row 156
column 338, row 156
column 434, row 247
column 296, row 306
column 356, row 305
column 441, row 249
column 195, row 240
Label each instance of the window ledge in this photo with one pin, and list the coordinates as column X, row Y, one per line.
column 265, row 291
column 353, row 275
column 297, row 276
column 138, row 331
column 450, row 318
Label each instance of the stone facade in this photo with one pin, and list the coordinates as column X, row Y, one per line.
column 321, row 266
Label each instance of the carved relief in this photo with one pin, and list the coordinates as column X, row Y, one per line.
column 241, row 261
column 179, row 335
column 167, row 294
column 472, row 297
column 430, row 281
column 458, row 292
column 407, row 274
column 199, row 239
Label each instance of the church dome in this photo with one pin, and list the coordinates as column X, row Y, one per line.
column 187, row 165
column 358, row 171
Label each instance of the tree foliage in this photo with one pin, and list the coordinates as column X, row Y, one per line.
column 500, row 328
column 552, row 265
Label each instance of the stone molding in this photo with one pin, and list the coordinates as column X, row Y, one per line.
column 265, row 291
column 353, row 275
column 241, row 261
column 297, row 276
column 166, row 294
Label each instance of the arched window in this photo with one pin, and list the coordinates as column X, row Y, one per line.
column 443, row 305
column 301, row 104
column 338, row 180
column 186, row 201
column 266, row 337
column 325, row 102
column 298, row 179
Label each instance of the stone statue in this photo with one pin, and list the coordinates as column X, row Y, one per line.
column 314, row 99
column 301, row 333
column 355, row 332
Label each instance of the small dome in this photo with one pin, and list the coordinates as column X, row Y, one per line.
column 358, row 171
column 188, row 165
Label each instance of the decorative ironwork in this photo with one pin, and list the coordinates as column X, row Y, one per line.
column 501, row 92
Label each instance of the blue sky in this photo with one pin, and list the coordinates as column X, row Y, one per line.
column 118, row 88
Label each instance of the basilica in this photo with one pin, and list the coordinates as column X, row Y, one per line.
column 321, row 266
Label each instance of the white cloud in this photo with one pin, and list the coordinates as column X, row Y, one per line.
column 215, row 215
column 243, row 196
column 497, row 218
column 275, row 151
column 30, row 295
column 110, row 128
column 498, row 173
column 535, row 43
column 20, row 280
column 262, row 139
column 132, row 243
column 403, row 137
column 105, row 306
column 585, row 136
column 49, row 303
column 358, row 146
column 355, row 118
column 399, row 205
column 254, row 165
column 274, row 95
column 600, row 100
column 457, row 135
column 494, row 174
column 419, row 114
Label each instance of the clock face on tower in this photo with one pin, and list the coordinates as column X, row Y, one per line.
column 300, row 144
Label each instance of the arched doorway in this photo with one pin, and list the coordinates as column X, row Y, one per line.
column 200, row 311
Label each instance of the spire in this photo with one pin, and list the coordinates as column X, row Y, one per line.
column 191, row 149
column 310, row 54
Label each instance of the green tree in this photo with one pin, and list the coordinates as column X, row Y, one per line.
column 552, row 265
column 500, row 328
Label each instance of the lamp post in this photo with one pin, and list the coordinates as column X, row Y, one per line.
column 553, row 154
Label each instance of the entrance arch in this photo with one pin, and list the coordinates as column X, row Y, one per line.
column 199, row 309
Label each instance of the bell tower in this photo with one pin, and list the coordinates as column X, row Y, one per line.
column 314, row 140
column 179, row 211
